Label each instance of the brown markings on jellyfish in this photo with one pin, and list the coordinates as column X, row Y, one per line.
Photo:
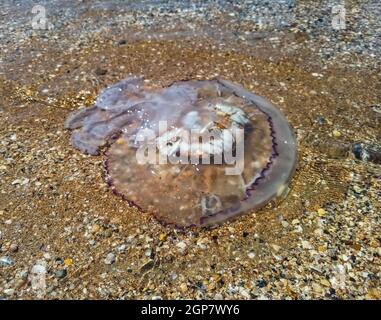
column 189, row 193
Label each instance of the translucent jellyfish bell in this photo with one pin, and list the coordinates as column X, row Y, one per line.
column 194, row 153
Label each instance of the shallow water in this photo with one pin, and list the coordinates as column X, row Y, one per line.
column 321, row 241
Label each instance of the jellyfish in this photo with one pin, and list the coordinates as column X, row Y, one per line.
column 194, row 153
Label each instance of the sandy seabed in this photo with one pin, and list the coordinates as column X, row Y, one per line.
column 58, row 217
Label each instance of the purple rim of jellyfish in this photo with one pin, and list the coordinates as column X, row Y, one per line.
column 262, row 174
column 271, row 112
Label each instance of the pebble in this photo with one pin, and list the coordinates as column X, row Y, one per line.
column 6, row 261
column 9, row 292
column 275, row 247
column 336, row 133
column 285, row 224
column 47, row 256
column 95, row 228
column 218, row 296
column 183, row 287
column 37, row 276
column 122, row 248
column 181, row 246
column 365, row 152
column 122, row 42
column 306, row 245
column 162, row 237
column 100, row 71
column 21, row 181
column 295, row 221
column 251, row 255
column 110, row 258
column 60, row 274
column 244, row 293
column 68, row 262
column 14, row 247
column 321, row 212
column 325, row 283
column 147, row 266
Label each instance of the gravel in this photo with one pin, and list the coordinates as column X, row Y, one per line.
column 75, row 239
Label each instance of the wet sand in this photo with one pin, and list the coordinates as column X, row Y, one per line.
column 56, row 211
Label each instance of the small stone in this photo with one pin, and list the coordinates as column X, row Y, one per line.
column 147, row 266
column 157, row 298
column 365, row 152
column 68, row 262
column 275, row 247
column 108, row 233
column 6, row 261
column 122, row 248
column 218, row 296
column 244, row 293
column 182, row 246
column 285, row 224
column 320, row 120
column 122, row 42
column 9, row 292
column 344, row 257
column 37, row 276
column 316, row 288
column 110, row 258
column 251, row 255
column 321, row 212
column 162, row 237
column 322, row 249
column 60, row 274
column 261, row 283
column 295, row 221
column 202, row 243
column 100, row 71
column 148, row 252
column 356, row 246
column 21, row 181
column 183, row 287
column 298, row 229
column 95, row 228
column 47, row 256
column 14, row 247
column 306, row 245
column 325, row 283
column 336, row 133
column 374, row 293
